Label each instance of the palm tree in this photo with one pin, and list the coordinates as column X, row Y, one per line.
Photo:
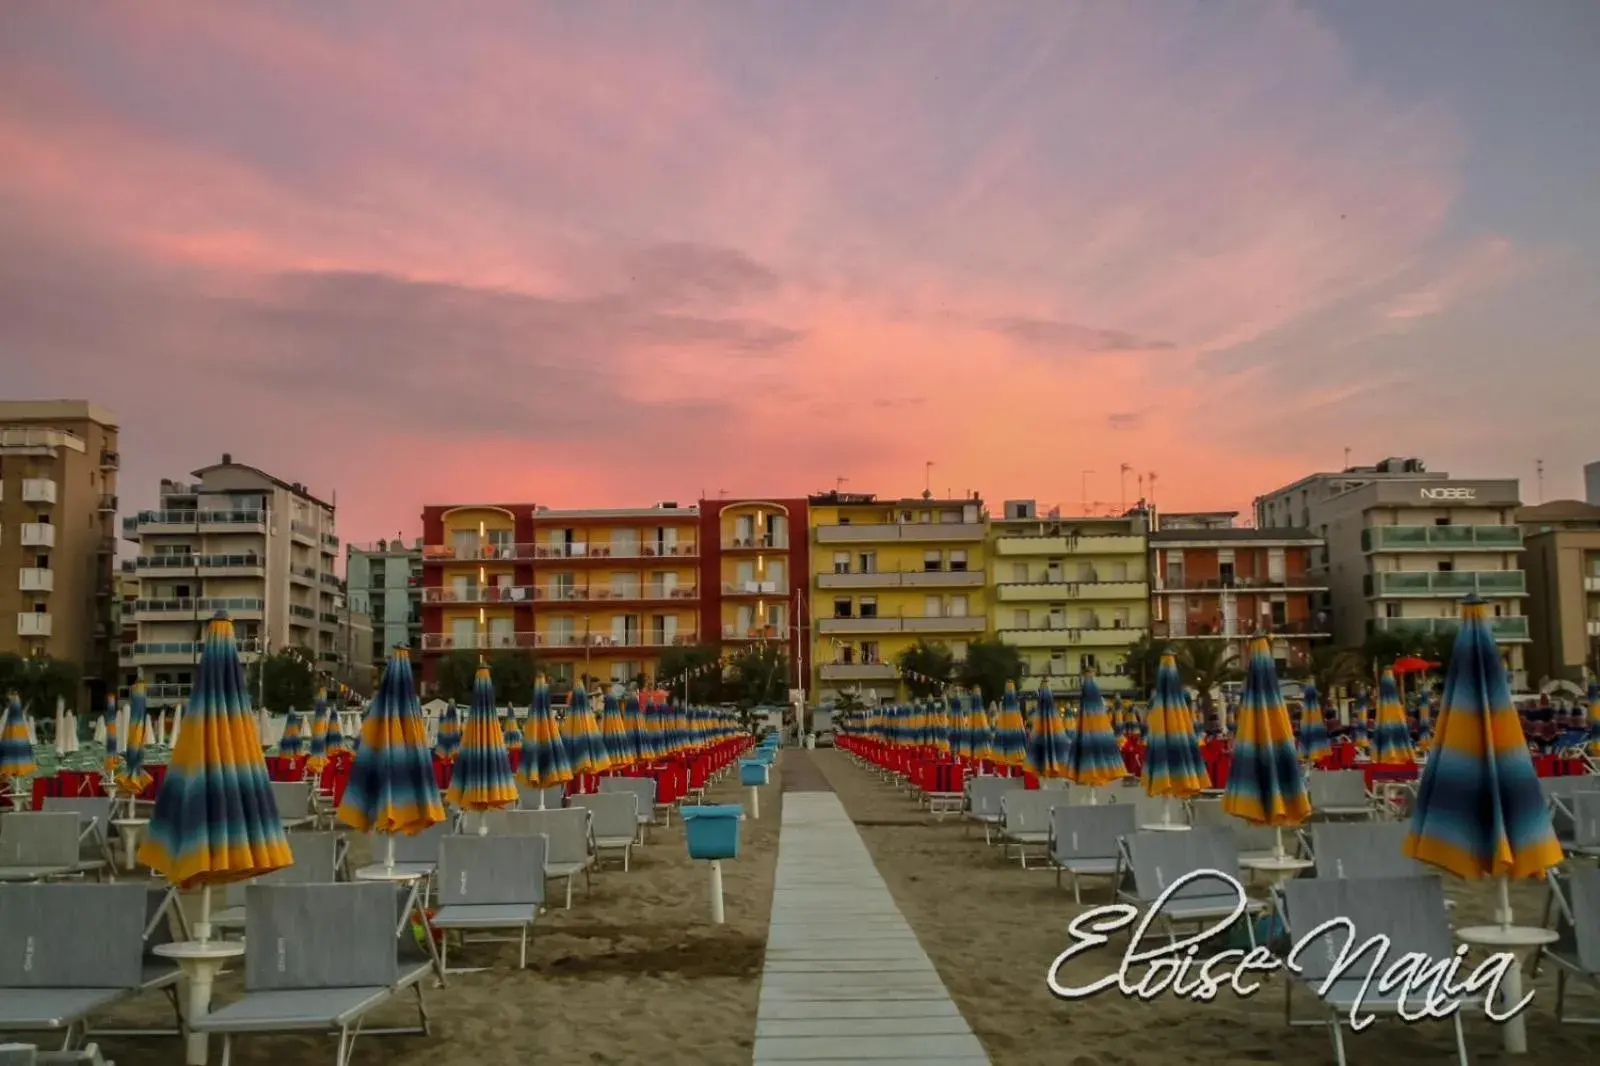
column 1330, row 667
column 1206, row 665
column 1140, row 662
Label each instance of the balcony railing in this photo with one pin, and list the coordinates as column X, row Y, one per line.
column 38, row 535
column 479, row 594
column 919, row 578
column 1013, row 591
column 197, row 562
column 872, row 671
column 166, row 693
column 108, row 501
column 171, row 650
column 189, row 520
column 33, row 624
column 38, row 490
column 110, row 460
column 1592, row 583
column 891, row 624
column 331, row 580
column 308, row 530
column 308, row 574
column 302, row 612
column 1066, row 636
column 1179, row 583
column 204, row 606
column 1441, row 538
column 733, row 632
column 556, row 641
column 767, row 542
column 903, row 532
column 1238, row 630
column 1108, row 544
column 36, row 579
column 449, row 553
column 330, row 541
column 1445, row 583
column 754, row 588
column 1505, row 629
column 328, row 618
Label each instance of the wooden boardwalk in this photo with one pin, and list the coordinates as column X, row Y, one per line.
column 845, row 979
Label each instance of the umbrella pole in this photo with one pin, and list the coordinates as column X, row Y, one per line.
column 202, row 928
column 1503, row 892
column 1277, row 846
column 388, row 853
column 1166, row 810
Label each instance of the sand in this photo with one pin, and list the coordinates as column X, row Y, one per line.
column 634, row 973
column 993, row 929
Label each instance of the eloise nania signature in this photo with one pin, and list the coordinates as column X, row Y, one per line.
column 1426, row 987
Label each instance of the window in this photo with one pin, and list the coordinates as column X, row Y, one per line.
column 1019, row 573
column 931, row 560
column 1058, row 664
column 1087, row 619
column 1174, row 572
column 1087, row 663
column 1086, row 572
column 1119, row 572
column 958, row 560
column 1019, row 618
column 42, row 561
column 869, row 652
column 869, row 607
column 1225, row 574
column 867, row 563
column 841, row 562
column 1052, row 570
column 841, row 607
column 1280, row 614
column 561, row 673
column 463, row 633
column 1391, row 610
column 1442, row 521
column 844, row 653
column 464, row 543
column 1057, row 617
column 932, row 607
column 958, row 607
column 624, row 672
column 500, row 541
column 1277, row 568
column 1445, row 568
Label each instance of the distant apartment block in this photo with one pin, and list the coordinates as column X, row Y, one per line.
column 755, row 573
column 384, row 581
column 1561, row 551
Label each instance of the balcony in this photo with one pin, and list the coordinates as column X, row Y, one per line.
column 1507, row 630
column 894, row 579
column 36, row 579
column 110, row 460
column 38, row 490
column 1181, row 584
column 579, row 550
column 900, row 533
column 217, row 565
column 164, row 694
column 330, row 580
column 1067, row 637
column 1098, row 545
column 330, row 543
column 38, row 535
column 763, row 632
column 217, row 520
column 298, row 611
column 328, row 618
column 1183, row 630
column 108, row 502
column 304, row 532
column 33, row 624
column 1441, row 538
column 938, row 624
column 594, row 643
column 306, row 575
column 176, row 651
column 167, row 610
column 1592, row 583
column 1457, row 583
column 480, row 594
column 1594, row 627
column 754, row 588
column 1060, row 680
column 769, row 543
column 859, row 672
column 646, row 592
column 1033, row 592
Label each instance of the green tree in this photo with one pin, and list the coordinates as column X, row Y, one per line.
column 926, row 668
column 1381, row 648
column 40, row 681
column 1206, row 665
column 513, row 673
column 759, row 674
column 453, row 677
column 988, row 666
column 1437, row 648
column 1140, row 663
column 1329, row 668
column 282, row 680
column 700, row 660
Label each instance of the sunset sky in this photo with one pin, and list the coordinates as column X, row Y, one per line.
column 608, row 253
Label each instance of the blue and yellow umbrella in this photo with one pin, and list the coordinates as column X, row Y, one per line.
column 134, row 778
column 1392, row 737
column 447, row 738
column 939, row 727
column 481, row 779
column 614, row 729
column 633, row 715
column 586, row 747
column 392, row 788
column 512, row 733
column 215, row 820
column 1047, row 745
column 1173, row 767
column 291, row 743
column 544, row 757
column 113, row 759
column 1479, row 810
column 318, row 756
column 1010, row 739
column 1314, row 741
column 16, row 751
column 1424, row 722
column 1265, row 785
column 1358, row 724
column 1093, row 758
column 335, row 739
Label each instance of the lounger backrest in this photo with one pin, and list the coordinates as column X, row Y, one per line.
column 984, row 793
column 422, row 847
column 1363, row 849
column 489, row 871
column 1561, row 794
column 160, row 904
column 1337, row 788
column 1409, row 911
column 566, row 831
column 315, row 859
column 1159, row 859
column 1028, row 812
column 320, row 936
column 1089, row 832
column 645, row 787
column 72, row 936
column 88, row 808
column 1586, row 819
column 292, row 797
column 1583, row 896
column 1098, row 796
column 615, row 814
column 39, row 838
column 528, row 797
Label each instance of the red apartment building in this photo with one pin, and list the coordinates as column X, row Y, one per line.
column 755, row 574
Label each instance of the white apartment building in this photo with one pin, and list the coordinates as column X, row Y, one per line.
column 240, row 540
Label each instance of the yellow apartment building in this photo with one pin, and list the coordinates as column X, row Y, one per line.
column 885, row 574
column 1071, row 594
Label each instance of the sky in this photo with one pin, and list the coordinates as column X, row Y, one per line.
column 610, row 253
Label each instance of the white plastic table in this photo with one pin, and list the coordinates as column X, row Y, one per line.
column 1520, row 941
column 129, row 828
column 200, row 961
column 1166, row 827
column 397, row 875
column 1276, row 868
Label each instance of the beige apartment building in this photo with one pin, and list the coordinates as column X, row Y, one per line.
column 1561, row 552
column 240, row 540
column 58, row 503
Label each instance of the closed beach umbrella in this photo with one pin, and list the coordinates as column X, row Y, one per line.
column 134, row 779
column 1314, row 741
column 1594, row 717
column 1093, row 758
column 544, row 757
column 335, row 739
column 447, row 738
column 1358, row 724
column 960, row 726
column 513, row 738
column 614, row 729
column 982, row 729
column 318, row 757
column 939, row 727
column 291, row 743
column 1173, row 767
column 1047, row 739
column 482, row 779
column 215, row 820
column 1424, row 722
column 113, row 761
column 586, row 748
column 16, row 754
column 392, row 788
column 1392, row 737
column 1265, row 785
column 1479, row 809
column 633, row 715
column 652, row 723
column 1010, row 732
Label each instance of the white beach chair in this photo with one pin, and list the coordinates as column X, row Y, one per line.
column 1084, row 840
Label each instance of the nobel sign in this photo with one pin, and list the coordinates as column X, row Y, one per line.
column 1449, row 494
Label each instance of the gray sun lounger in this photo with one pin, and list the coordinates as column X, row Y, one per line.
column 316, row 861
column 493, row 883
column 416, row 854
column 1362, row 850
column 1084, row 840
column 294, row 802
column 28, row 1055
column 1338, row 794
column 1410, row 911
column 1025, row 820
column 39, row 846
column 1152, row 861
column 645, row 789
column 1575, row 901
column 1253, row 841
column 1585, row 820
column 569, row 840
column 983, row 802
column 320, row 958
column 159, row 974
column 614, row 822
column 69, row 951
column 1561, row 794
column 528, row 797
column 94, row 822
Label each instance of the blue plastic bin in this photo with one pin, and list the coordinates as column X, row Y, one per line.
column 713, row 832
column 752, row 772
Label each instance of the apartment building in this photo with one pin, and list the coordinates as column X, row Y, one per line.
column 885, row 574
column 1213, row 580
column 755, row 562
column 236, row 539
column 58, row 503
column 1071, row 594
column 1561, row 551
column 1403, row 546
column 384, row 581
column 595, row 593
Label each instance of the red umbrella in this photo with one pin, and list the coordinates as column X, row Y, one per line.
column 1410, row 664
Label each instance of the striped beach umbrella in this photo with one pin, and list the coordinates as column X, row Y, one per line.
column 614, row 729
column 1479, row 810
column 1358, row 724
column 586, row 747
column 392, row 789
column 1265, row 785
column 653, row 724
column 447, row 737
column 335, row 739
column 134, row 778
column 1424, row 722
column 1173, row 767
column 512, row 734
column 939, row 726
column 481, row 779
column 1314, row 741
column 215, row 820
column 317, row 758
column 1010, row 740
column 1093, row 757
column 1392, row 737
column 291, row 743
column 113, row 758
column 16, row 753
column 1047, row 744
column 633, row 715
column 960, row 725
column 544, row 757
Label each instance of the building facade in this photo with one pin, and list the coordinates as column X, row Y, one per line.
column 1403, row 546
column 885, row 574
column 384, row 581
column 239, row 540
column 1591, row 483
column 755, row 567
column 1561, row 552
column 1212, row 580
column 58, row 503
column 1071, row 594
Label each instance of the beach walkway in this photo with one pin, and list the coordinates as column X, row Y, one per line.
column 845, row 979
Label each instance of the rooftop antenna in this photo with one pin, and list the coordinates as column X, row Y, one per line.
column 839, row 483
column 1085, row 487
column 1538, row 473
column 1141, row 488
column 1122, row 488
column 1347, row 457
column 927, row 480
column 1152, row 488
